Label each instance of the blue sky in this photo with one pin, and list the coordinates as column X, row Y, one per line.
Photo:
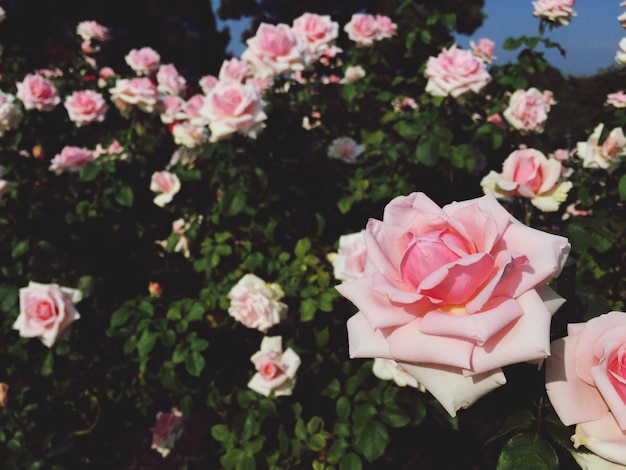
column 590, row 40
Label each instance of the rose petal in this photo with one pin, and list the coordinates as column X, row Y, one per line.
column 600, row 375
column 603, row 437
column 364, row 341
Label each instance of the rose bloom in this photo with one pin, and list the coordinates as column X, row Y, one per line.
column 555, row 11
column 172, row 109
column 622, row 20
column 388, row 369
column 207, row 83
column 166, row 185
column 455, row 72
column 5, row 186
column 349, row 262
column 353, row 74
column 606, row 156
column 233, row 107
column 454, row 294
column 386, row 27
column 10, row 113
column 37, row 92
column 528, row 110
column 586, row 384
column 136, row 92
column 276, row 370
column 362, row 29
column 274, row 50
column 319, row 31
column 46, row 312
column 620, row 56
column 256, row 304
column 234, row 69
column 529, row 173
column 85, row 106
column 345, row 149
column 167, row 429
column 179, row 227
column 189, row 135
column 485, row 49
column 193, row 110
column 143, row 61
column 617, row 100
column 71, row 159
column 90, row 30
column 170, row 81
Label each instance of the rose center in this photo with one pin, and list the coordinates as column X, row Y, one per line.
column 617, row 371
column 44, row 311
column 528, row 173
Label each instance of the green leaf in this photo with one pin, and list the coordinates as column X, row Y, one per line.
column 510, row 44
column 579, row 237
column 315, row 425
column 124, row 196
column 332, row 389
column 120, row 316
column 194, row 363
column 520, row 421
column 89, row 172
column 146, row 343
column 345, row 203
column 48, row 365
column 343, row 408
column 308, row 307
column 20, row 249
column 395, row 416
column 302, row 247
column 317, row 442
column 527, row 451
column 372, row 440
column 347, row 92
column 622, row 188
column 427, row 152
column 363, row 413
column 350, row 462
column 220, row 432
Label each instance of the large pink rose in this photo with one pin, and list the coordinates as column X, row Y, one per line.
column 455, row 72
column 46, row 312
column 85, row 106
column 454, row 294
column 528, row 110
column 255, row 303
column 143, row 61
column 586, row 383
column 170, row 81
column 37, row 92
column 555, row 11
column 136, row 92
column 233, row 107
column 319, row 31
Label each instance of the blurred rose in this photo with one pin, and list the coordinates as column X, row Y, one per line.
column 349, row 262
column 46, row 312
column 170, row 81
column 256, row 304
column 345, row 149
column 193, row 110
column 362, row 29
column 386, row 27
column 276, row 370
column 189, row 135
column 71, row 159
column 85, row 107
column 528, row 110
column 388, row 369
column 155, row 289
column 90, row 30
column 207, row 83
column 143, row 61
column 5, row 186
column 37, row 92
column 10, row 113
column 454, row 294
column 484, row 49
column 622, row 20
column 353, row 74
column 139, row 92
column 617, row 100
column 555, row 11
column 319, row 31
column 234, row 69
column 167, row 429
column 586, row 384
column 529, row 173
column 166, row 184
column 620, row 56
column 606, row 156
column 172, row 109
column 455, row 72
column 179, row 227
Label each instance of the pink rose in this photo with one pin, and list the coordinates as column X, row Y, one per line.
column 169, row 81
column 256, row 304
column 586, row 384
column 455, row 72
column 345, row 149
column 362, row 29
column 37, row 92
column 85, row 107
column 353, row 74
column 71, row 159
column 606, row 155
column 386, row 27
column 46, row 312
column 274, row 50
column 234, row 107
column 172, row 109
column 555, row 11
column 90, row 30
column 528, row 110
column 189, row 135
column 485, row 49
column 167, row 430
column 617, row 100
column 234, row 69
column 349, row 262
column 136, row 92
column 275, row 369
column 179, row 227
column 193, row 110
column 10, row 113
column 529, row 173
column 166, row 185
column 319, row 31
column 454, row 294
column 143, row 61
column 207, row 83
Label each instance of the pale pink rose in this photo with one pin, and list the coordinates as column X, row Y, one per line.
column 260, row 85
column 10, row 113
column 386, row 27
column 115, row 148
column 528, row 110
column 256, row 304
column 362, row 29
column 349, row 261
column 193, row 110
column 454, row 294
column 529, row 173
column 179, row 227
column 388, row 369
column 234, row 69
column 71, row 159
column 172, row 109
column 617, row 100
column 166, row 185
column 455, row 72
column 274, row 50
column 606, row 155
column 345, row 149
column 233, row 107
column 319, row 31
column 353, row 73
column 496, row 119
column 620, row 56
column 103, row 76
column 135, row 92
column 5, row 186
column 85, row 106
column 586, row 384
column 275, row 369
column 485, row 49
column 46, row 312
column 167, row 429
column 170, row 81
column 405, row 103
column 90, row 30
column 555, row 11
column 561, row 155
column 143, row 61
column 37, row 92
column 622, row 20
column 207, row 83
column 189, row 135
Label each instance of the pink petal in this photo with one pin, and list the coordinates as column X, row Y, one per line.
column 363, row 341
column 605, row 438
column 600, row 376
column 403, row 208
column 385, row 245
column 476, row 225
column 487, row 203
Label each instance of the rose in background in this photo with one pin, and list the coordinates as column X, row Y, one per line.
column 140, row 92
column 275, row 369
column 607, row 155
column 455, row 72
column 345, row 149
column 170, row 81
column 166, row 185
column 364, row 29
column 454, row 294
column 37, row 92
column 586, row 384
column 167, row 429
column 10, row 113
column 143, row 61
column 620, row 55
column 93, row 34
column 558, row 12
column 528, row 110
column 85, row 106
column 47, row 312
column 71, row 159
column 485, row 49
column 5, row 186
column 617, row 99
column 349, row 262
column 529, row 173
column 319, row 31
column 256, row 303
